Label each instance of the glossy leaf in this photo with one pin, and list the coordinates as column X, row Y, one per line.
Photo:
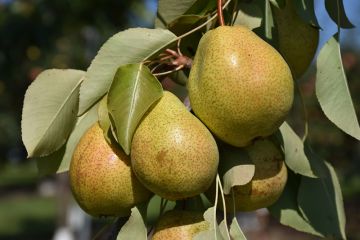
column 236, row 168
column 336, row 8
column 132, row 92
column 134, row 228
column 213, row 233
column 59, row 161
column 295, row 156
column 320, row 201
column 306, row 10
column 235, row 230
column 286, row 210
column 332, row 89
column 130, row 46
column 50, row 109
column 249, row 15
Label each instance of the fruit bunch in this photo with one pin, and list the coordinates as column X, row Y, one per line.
column 131, row 140
column 238, row 98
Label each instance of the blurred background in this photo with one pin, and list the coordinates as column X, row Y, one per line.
column 38, row 34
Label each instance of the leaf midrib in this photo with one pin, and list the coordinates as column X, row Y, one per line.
column 133, row 93
column 56, row 114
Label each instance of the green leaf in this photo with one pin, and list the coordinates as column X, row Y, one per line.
column 131, row 46
column 224, row 230
column 335, row 9
column 53, row 163
column 235, row 166
column 249, row 15
column 235, row 230
column 286, row 210
column 202, row 7
column 295, row 157
column 306, row 10
column 185, row 23
column 132, row 92
column 213, row 233
column 332, row 89
column 267, row 30
column 134, row 228
column 59, row 161
column 269, row 24
column 50, row 109
column 169, row 10
column 320, row 201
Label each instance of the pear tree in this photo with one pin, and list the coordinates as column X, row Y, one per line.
column 183, row 162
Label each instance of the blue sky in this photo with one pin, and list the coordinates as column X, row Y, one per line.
column 348, row 36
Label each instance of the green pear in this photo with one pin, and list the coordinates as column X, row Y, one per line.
column 101, row 178
column 267, row 184
column 181, row 225
column 173, row 154
column 298, row 40
column 239, row 86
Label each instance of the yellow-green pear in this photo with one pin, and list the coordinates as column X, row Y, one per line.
column 298, row 40
column 267, row 184
column 173, row 154
column 101, row 178
column 239, row 85
column 179, row 225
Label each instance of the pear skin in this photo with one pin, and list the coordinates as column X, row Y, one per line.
column 101, row 178
column 267, row 184
column 298, row 40
column 182, row 225
column 239, row 86
column 173, row 154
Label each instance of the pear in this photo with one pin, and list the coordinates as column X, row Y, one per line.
column 239, row 86
column 173, row 154
column 181, row 225
column 298, row 40
column 101, row 178
column 267, row 184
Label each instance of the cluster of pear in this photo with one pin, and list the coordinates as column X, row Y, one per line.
column 240, row 90
column 173, row 155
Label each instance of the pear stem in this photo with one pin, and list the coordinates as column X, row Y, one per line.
column 220, row 13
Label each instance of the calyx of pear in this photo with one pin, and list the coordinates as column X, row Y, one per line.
column 173, row 154
column 239, row 86
column 177, row 224
column 267, row 184
column 298, row 40
column 101, row 178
